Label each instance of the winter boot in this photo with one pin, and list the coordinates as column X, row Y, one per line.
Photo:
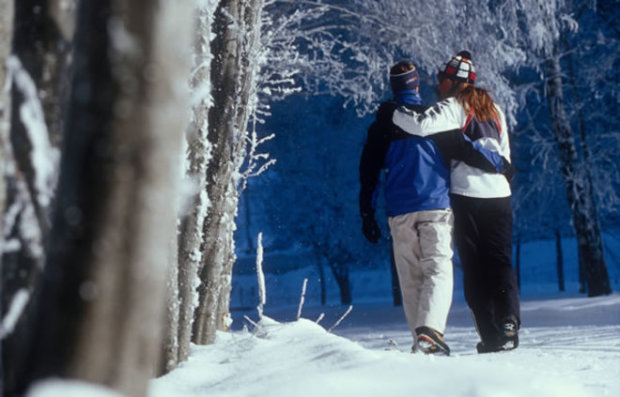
column 487, row 347
column 430, row 341
column 507, row 340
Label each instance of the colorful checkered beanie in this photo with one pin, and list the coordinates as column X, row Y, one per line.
column 404, row 81
column 460, row 68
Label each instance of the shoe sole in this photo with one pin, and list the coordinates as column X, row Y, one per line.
column 427, row 345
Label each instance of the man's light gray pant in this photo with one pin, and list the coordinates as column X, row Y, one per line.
column 423, row 254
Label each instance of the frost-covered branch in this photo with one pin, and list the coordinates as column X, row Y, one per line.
column 44, row 158
column 321, row 316
column 14, row 312
column 257, row 163
column 262, row 291
column 337, row 323
column 302, row 298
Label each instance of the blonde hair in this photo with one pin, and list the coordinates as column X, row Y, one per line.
column 476, row 101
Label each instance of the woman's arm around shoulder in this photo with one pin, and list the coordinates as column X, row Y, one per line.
column 446, row 115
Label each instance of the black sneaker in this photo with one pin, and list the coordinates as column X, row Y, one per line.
column 505, row 344
column 482, row 348
column 430, row 341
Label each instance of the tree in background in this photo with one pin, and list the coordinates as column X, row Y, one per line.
column 542, row 28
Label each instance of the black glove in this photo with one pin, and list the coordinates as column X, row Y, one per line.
column 370, row 229
column 509, row 170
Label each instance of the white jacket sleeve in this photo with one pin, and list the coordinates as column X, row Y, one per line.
column 444, row 116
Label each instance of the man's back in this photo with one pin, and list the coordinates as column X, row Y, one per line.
column 417, row 176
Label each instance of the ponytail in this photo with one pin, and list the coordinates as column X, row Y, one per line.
column 477, row 102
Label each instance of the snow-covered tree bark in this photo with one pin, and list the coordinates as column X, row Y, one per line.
column 6, row 35
column 39, row 71
column 170, row 344
column 42, row 43
column 101, row 306
column 198, row 157
column 578, row 185
column 233, row 78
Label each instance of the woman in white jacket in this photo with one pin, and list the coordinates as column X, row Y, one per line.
column 480, row 201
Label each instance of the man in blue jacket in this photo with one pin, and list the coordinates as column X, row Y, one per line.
column 416, row 190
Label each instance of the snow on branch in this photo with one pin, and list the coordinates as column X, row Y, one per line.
column 337, row 323
column 257, row 163
column 262, row 292
column 20, row 226
column 16, row 308
column 44, row 157
column 302, row 299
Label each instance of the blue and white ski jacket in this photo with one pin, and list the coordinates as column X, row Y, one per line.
column 449, row 114
column 417, row 169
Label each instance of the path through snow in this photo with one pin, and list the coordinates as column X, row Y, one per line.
column 569, row 347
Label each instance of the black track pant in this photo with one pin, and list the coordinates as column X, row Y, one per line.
column 483, row 236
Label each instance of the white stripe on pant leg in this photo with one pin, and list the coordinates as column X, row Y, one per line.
column 436, row 262
column 404, row 240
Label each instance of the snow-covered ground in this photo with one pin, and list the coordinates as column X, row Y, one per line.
column 570, row 346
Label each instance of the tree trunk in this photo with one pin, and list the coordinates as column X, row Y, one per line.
column 199, row 155
column 40, row 80
column 6, row 38
column 6, row 34
column 581, row 270
column 586, row 168
column 43, row 45
column 560, row 260
column 101, row 307
column 233, row 78
column 342, row 279
column 585, row 220
column 39, row 76
column 170, row 346
column 322, row 280
column 248, row 218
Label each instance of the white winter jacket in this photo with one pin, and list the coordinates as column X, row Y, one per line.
column 446, row 115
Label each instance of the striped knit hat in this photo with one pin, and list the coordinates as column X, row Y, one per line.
column 404, row 77
column 460, row 68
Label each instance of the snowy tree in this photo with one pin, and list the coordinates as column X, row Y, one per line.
column 101, row 303
column 183, row 283
column 42, row 43
column 236, row 26
column 541, row 27
column 37, row 78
